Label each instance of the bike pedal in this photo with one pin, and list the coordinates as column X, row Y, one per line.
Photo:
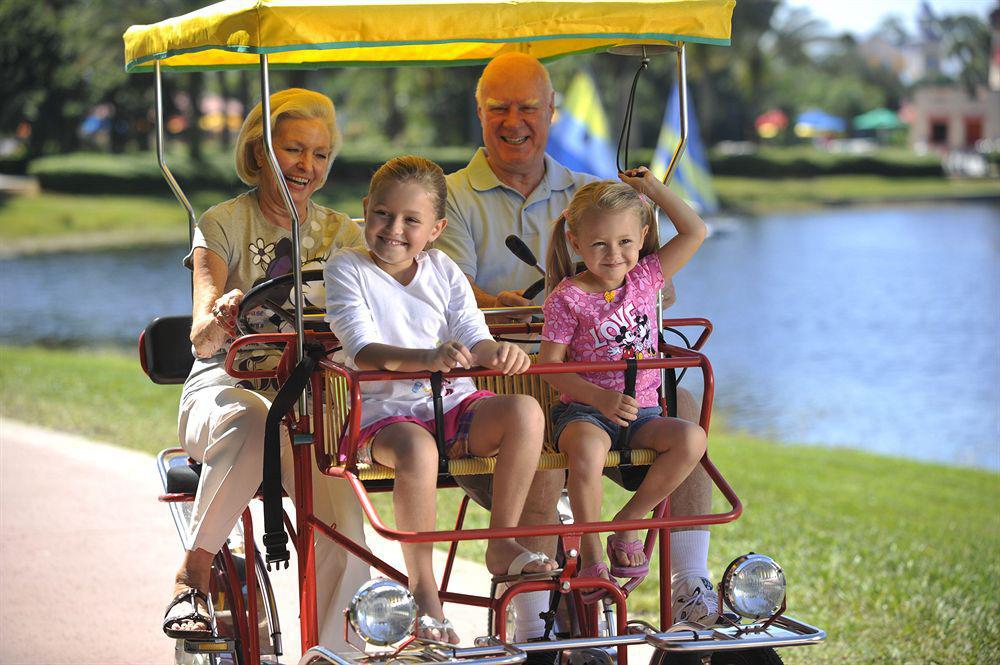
column 211, row 645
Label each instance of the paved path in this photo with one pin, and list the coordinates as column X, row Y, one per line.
column 18, row 184
column 86, row 552
column 87, row 556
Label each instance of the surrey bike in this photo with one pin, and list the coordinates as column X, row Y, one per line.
column 319, row 400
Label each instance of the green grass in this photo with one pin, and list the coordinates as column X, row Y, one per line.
column 759, row 196
column 68, row 221
column 896, row 560
column 101, row 394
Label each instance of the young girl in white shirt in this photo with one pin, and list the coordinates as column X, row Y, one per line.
column 396, row 305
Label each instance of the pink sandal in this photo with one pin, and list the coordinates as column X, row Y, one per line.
column 599, row 569
column 619, row 545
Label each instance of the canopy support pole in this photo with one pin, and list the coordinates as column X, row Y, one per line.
column 671, row 167
column 682, row 100
column 265, row 118
column 167, row 175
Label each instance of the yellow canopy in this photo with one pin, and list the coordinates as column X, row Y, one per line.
column 323, row 33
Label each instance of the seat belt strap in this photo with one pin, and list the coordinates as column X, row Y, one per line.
column 275, row 538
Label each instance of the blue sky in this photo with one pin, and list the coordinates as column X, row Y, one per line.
column 863, row 16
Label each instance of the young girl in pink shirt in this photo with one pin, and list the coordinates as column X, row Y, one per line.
column 608, row 312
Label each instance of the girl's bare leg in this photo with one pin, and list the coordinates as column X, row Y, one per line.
column 680, row 445
column 586, row 445
column 412, row 452
column 510, row 427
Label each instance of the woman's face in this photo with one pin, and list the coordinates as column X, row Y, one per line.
column 303, row 149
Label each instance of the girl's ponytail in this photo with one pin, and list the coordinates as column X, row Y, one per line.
column 558, row 264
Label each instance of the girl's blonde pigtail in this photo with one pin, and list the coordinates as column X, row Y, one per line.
column 558, row 265
column 652, row 241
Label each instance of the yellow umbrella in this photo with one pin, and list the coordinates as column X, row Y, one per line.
column 324, row 33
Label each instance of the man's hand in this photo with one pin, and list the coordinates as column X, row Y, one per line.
column 448, row 356
column 616, row 407
column 504, row 299
column 513, row 299
column 504, row 356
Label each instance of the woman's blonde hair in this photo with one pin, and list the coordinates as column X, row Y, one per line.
column 420, row 171
column 593, row 199
column 290, row 103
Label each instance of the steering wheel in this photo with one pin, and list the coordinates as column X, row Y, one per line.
column 274, row 295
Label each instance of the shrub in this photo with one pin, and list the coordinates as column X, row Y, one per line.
column 138, row 173
column 809, row 162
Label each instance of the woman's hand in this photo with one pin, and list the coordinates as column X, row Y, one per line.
column 225, row 309
column 507, row 357
column 448, row 356
column 616, row 407
column 211, row 330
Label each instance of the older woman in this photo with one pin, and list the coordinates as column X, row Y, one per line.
column 236, row 244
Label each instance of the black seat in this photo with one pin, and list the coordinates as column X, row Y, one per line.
column 183, row 478
column 165, row 349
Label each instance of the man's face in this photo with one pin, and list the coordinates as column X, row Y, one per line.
column 515, row 111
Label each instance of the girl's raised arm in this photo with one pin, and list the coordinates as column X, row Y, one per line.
column 691, row 229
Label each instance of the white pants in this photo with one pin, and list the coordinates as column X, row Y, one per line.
column 223, row 428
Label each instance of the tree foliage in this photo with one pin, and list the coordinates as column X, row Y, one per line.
column 60, row 58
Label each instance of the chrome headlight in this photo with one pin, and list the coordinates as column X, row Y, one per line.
column 754, row 586
column 383, row 612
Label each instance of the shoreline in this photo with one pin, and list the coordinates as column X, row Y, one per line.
column 720, row 424
column 153, row 238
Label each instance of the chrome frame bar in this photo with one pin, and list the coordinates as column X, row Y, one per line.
column 270, row 602
column 167, row 175
column 504, row 654
column 675, row 160
column 272, row 159
column 793, row 633
column 682, row 99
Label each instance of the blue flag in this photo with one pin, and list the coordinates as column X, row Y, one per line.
column 692, row 179
column 579, row 137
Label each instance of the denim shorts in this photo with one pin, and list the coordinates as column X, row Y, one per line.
column 563, row 414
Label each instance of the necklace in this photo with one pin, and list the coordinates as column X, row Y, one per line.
column 609, row 296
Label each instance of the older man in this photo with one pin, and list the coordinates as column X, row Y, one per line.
column 511, row 186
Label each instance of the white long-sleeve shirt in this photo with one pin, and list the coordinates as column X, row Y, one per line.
column 365, row 305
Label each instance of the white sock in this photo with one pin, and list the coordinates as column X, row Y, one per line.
column 527, row 606
column 688, row 555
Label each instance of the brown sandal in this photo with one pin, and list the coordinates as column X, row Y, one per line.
column 191, row 596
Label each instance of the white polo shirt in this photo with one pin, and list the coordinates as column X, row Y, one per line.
column 482, row 212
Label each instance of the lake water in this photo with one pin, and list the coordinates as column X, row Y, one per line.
column 875, row 328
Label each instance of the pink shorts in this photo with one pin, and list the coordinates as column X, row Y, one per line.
column 457, row 423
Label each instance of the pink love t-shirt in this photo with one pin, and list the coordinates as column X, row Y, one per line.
column 612, row 325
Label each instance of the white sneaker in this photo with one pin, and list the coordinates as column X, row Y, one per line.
column 694, row 600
